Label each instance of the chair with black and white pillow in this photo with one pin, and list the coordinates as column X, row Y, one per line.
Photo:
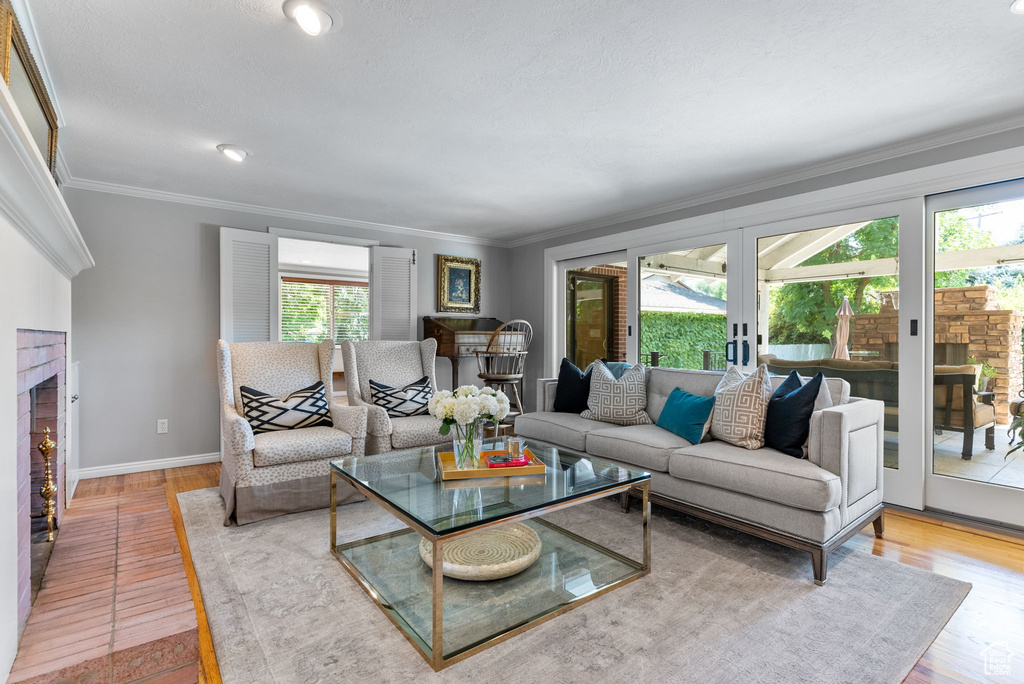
column 280, row 429
column 393, row 381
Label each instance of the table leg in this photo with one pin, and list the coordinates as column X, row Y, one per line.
column 334, row 510
column 647, row 525
column 437, row 640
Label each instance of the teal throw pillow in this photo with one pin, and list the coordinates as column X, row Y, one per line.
column 687, row 415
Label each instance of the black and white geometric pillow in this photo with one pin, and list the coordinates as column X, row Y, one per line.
column 305, row 408
column 402, row 402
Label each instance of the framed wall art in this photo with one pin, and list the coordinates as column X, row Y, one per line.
column 458, row 284
column 28, row 91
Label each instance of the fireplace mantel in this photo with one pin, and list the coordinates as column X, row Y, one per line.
column 30, row 199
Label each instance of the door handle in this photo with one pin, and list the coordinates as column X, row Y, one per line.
column 746, row 352
column 74, row 398
column 732, row 345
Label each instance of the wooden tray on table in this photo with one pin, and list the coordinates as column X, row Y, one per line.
column 450, row 472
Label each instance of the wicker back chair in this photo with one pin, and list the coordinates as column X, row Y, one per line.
column 502, row 361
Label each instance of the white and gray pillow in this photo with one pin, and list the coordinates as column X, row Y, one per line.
column 622, row 401
column 307, row 407
column 402, row 402
column 741, row 404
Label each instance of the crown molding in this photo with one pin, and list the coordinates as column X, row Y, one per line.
column 894, row 151
column 30, row 198
column 161, row 195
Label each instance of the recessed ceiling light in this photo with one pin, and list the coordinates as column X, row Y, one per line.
column 234, row 152
column 1017, row 7
column 315, row 17
column 305, row 261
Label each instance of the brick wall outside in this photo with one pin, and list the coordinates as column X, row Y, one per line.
column 963, row 315
column 41, row 364
column 617, row 352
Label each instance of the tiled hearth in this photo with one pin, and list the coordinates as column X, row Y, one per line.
column 41, row 402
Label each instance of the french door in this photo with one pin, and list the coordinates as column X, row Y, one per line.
column 688, row 303
column 835, row 293
column 975, row 312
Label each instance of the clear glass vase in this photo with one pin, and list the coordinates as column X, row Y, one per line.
column 467, row 443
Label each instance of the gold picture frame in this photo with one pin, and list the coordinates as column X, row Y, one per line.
column 458, row 284
column 22, row 76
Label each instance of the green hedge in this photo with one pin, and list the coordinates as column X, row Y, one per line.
column 681, row 337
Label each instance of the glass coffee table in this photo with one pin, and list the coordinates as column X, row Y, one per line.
column 449, row 619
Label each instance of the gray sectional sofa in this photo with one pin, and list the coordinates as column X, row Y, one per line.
column 813, row 504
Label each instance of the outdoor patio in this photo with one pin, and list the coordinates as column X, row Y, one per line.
column 993, row 466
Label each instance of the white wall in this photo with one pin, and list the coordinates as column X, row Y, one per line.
column 146, row 318
column 36, row 296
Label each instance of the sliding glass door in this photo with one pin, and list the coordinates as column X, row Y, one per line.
column 976, row 313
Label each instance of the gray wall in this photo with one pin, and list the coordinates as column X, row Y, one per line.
column 146, row 319
column 528, row 260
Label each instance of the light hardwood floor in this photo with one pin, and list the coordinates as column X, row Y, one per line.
column 992, row 613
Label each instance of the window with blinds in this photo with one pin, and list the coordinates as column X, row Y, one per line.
column 315, row 310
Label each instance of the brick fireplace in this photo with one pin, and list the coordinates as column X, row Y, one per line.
column 41, row 402
column 968, row 323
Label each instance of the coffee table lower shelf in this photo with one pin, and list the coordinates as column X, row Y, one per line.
column 476, row 615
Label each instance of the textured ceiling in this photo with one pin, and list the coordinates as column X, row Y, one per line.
column 504, row 118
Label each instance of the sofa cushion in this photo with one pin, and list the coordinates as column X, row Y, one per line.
column 788, row 422
column 573, row 388
column 564, row 429
column 304, row 408
column 687, row 415
column 984, row 414
column 416, row 431
column 644, row 446
column 296, row 446
column 621, row 401
column 661, row 382
column 762, row 473
column 740, row 406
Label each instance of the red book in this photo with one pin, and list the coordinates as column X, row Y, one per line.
column 511, row 464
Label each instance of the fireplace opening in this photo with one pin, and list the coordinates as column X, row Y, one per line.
column 44, row 403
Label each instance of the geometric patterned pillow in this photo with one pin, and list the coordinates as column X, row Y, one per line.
column 402, row 402
column 741, row 404
column 304, row 408
column 619, row 401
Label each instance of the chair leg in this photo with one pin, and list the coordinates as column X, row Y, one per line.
column 968, row 451
column 990, row 438
column 879, row 524
column 819, row 560
column 515, row 395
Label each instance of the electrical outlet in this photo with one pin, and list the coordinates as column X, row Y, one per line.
column 161, row 426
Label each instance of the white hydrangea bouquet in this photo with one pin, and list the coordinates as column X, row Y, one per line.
column 467, row 409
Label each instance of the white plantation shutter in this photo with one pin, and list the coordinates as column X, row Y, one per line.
column 249, row 297
column 392, row 293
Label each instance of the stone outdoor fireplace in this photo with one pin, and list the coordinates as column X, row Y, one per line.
column 41, row 402
column 968, row 323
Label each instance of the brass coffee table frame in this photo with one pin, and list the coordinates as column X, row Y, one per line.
column 434, row 654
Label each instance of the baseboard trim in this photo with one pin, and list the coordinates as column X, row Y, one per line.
column 143, row 466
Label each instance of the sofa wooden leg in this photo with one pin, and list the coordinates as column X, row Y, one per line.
column 624, row 501
column 879, row 524
column 819, row 559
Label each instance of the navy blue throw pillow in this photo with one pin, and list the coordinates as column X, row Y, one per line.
column 789, row 414
column 573, row 388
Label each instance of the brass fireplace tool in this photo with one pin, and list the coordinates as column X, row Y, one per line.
column 49, row 489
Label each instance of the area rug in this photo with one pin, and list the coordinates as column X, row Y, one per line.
column 718, row 606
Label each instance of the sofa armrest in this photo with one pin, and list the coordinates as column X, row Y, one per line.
column 847, row 440
column 351, row 419
column 237, row 433
column 546, row 394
